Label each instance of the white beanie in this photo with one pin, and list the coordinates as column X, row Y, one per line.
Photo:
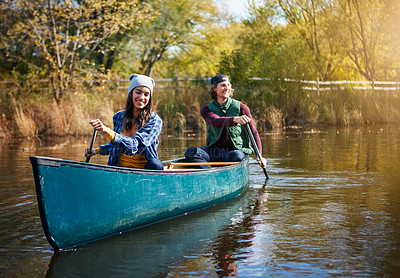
column 141, row 80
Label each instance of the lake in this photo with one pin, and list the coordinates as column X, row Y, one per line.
column 331, row 208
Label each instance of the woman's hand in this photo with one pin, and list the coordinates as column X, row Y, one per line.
column 98, row 125
column 262, row 162
column 90, row 154
column 244, row 119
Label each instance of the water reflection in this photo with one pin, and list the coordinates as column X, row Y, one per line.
column 232, row 244
column 330, row 208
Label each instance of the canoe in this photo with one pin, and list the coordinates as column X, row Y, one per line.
column 82, row 202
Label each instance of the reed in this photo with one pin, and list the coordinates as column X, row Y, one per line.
column 273, row 107
column 180, row 108
column 25, row 122
column 344, row 108
column 275, row 117
column 2, row 132
column 38, row 115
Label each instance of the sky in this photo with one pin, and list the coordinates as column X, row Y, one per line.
column 237, row 8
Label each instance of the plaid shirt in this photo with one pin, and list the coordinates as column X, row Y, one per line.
column 145, row 140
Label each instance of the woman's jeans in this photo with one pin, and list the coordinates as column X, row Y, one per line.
column 154, row 164
column 194, row 154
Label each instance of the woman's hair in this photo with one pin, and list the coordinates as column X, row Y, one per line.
column 213, row 94
column 144, row 115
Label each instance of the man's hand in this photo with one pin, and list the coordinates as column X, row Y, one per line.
column 244, row 119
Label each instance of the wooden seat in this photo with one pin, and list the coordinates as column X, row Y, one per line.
column 183, row 166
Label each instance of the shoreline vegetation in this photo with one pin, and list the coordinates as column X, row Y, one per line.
column 292, row 62
column 29, row 113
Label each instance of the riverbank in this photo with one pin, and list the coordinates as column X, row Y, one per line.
column 36, row 114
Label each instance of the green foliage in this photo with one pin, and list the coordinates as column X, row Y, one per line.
column 62, row 34
column 200, row 56
column 177, row 40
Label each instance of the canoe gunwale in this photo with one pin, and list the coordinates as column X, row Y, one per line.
column 57, row 162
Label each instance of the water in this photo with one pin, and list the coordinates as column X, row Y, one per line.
column 330, row 209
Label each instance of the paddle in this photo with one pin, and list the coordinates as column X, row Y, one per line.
column 91, row 144
column 253, row 142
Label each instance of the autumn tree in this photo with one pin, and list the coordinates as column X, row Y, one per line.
column 175, row 24
column 63, row 34
column 201, row 54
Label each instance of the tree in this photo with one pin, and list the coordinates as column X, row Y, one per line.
column 202, row 53
column 269, row 48
column 63, row 34
column 368, row 35
column 17, row 51
column 172, row 29
column 314, row 24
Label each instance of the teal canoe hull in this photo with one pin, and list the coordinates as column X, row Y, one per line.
column 81, row 202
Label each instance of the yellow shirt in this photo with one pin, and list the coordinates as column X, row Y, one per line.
column 132, row 161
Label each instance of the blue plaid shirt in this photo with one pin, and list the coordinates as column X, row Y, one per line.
column 145, row 140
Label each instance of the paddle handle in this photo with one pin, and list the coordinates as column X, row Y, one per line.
column 91, row 144
column 253, row 142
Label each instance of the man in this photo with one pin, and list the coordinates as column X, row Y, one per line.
column 227, row 139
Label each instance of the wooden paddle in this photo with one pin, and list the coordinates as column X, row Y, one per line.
column 253, row 142
column 91, row 144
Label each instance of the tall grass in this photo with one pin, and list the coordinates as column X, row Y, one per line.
column 37, row 115
column 2, row 132
column 276, row 104
column 275, row 117
column 346, row 107
column 180, row 108
column 273, row 106
column 25, row 122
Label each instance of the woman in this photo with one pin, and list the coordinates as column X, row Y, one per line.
column 225, row 118
column 134, row 138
